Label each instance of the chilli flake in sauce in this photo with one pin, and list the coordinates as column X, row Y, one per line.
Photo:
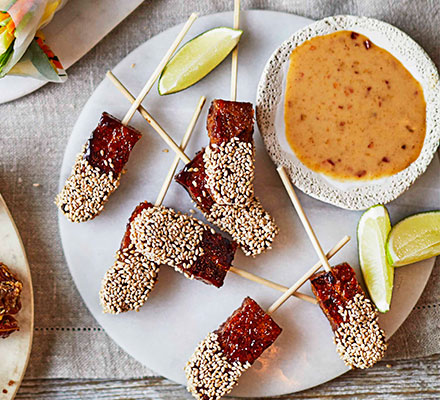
column 352, row 110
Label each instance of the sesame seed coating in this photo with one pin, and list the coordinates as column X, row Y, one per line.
column 85, row 191
column 359, row 340
column 230, row 172
column 128, row 283
column 168, row 237
column 208, row 372
column 251, row 226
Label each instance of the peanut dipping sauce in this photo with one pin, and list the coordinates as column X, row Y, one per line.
column 352, row 110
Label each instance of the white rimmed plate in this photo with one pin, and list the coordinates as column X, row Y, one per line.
column 15, row 350
column 270, row 114
column 180, row 312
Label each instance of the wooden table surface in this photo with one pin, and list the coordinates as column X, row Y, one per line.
column 407, row 379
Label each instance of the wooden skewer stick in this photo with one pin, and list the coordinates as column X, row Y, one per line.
column 155, row 125
column 306, row 276
column 158, row 70
column 272, row 285
column 303, row 217
column 234, row 64
column 185, row 140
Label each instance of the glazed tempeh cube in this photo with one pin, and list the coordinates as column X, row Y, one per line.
column 359, row 340
column 230, row 119
column 229, row 159
column 221, row 358
column 193, row 179
column 247, row 332
column 97, row 169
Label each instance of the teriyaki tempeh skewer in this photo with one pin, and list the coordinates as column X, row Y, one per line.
column 359, row 340
column 98, row 167
column 221, row 358
column 220, row 178
column 225, row 354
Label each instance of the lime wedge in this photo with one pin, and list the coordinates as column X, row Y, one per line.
column 373, row 229
column 414, row 238
column 197, row 58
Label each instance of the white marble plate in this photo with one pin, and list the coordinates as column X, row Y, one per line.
column 15, row 350
column 181, row 312
column 270, row 113
column 99, row 16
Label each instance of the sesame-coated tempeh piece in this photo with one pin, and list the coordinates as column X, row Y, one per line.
column 359, row 340
column 168, row 237
column 97, row 169
column 10, row 291
column 221, row 358
column 220, row 178
column 250, row 226
column 229, row 169
column 128, row 283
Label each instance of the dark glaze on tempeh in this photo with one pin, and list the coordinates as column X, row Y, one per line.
column 229, row 119
column 334, row 289
column 126, row 239
column 111, row 141
column 247, row 333
column 195, row 171
column 97, row 170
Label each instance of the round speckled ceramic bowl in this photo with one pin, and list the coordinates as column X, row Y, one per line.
column 270, row 114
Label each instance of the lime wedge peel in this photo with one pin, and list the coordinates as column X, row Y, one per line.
column 373, row 229
column 414, row 238
column 197, row 58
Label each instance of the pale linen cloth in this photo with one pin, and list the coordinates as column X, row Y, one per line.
column 34, row 132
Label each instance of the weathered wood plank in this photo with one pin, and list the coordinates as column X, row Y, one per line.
column 407, row 379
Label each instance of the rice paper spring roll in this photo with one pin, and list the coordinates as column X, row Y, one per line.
column 40, row 62
column 19, row 22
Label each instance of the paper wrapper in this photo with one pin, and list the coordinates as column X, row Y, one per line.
column 28, row 17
